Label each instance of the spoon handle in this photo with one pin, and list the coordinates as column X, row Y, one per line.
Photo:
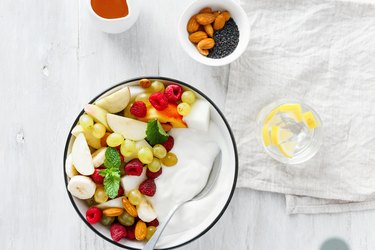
column 152, row 242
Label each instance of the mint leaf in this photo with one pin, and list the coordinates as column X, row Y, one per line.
column 112, row 183
column 155, row 133
column 112, row 158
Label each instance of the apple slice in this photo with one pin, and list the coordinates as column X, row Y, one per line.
column 116, row 101
column 98, row 157
column 129, row 128
column 130, row 182
column 77, row 130
column 81, row 156
column 99, row 114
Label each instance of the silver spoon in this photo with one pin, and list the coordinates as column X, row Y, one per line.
column 214, row 173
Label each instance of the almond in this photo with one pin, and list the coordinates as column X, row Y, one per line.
column 196, row 37
column 113, row 211
column 206, row 10
column 192, row 25
column 140, row 230
column 202, row 51
column 205, row 18
column 207, row 43
column 129, row 207
column 226, row 15
column 209, row 30
column 216, row 13
column 219, row 22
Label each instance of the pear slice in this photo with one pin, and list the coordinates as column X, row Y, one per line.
column 77, row 130
column 130, row 182
column 99, row 114
column 98, row 157
column 127, row 127
column 116, row 101
column 81, row 156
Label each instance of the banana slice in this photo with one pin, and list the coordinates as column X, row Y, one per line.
column 98, row 157
column 81, row 156
column 145, row 211
column 115, row 102
column 81, row 187
column 70, row 170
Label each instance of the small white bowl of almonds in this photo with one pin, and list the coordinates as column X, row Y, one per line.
column 214, row 33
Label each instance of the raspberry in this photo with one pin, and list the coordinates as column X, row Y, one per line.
column 118, row 231
column 134, row 167
column 159, row 101
column 130, row 232
column 154, row 223
column 152, row 175
column 148, row 187
column 96, row 177
column 93, row 215
column 173, row 93
column 168, row 144
column 138, row 109
column 120, row 192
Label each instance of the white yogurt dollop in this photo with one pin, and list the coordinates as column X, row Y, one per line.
column 196, row 151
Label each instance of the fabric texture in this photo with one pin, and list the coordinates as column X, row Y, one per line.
column 322, row 53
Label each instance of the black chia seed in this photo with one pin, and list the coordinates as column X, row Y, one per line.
column 226, row 40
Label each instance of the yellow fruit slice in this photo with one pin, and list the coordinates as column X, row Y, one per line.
column 270, row 116
column 293, row 108
column 288, row 148
column 266, row 136
column 274, row 135
column 309, row 120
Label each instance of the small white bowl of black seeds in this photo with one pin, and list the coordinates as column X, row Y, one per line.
column 230, row 41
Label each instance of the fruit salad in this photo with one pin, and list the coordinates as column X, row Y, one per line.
column 124, row 143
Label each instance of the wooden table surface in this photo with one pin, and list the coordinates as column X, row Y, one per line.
column 52, row 62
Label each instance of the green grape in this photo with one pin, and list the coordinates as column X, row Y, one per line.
column 100, row 195
column 106, row 220
column 135, row 197
column 128, row 148
column 98, row 130
column 157, row 86
column 183, row 108
column 126, row 219
column 90, row 202
column 188, row 97
column 150, row 232
column 154, row 166
column 86, row 121
column 159, row 151
column 114, row 140
column 145, row 155
column 169, row 160
column 143, row 97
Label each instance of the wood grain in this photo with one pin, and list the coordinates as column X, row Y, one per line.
column 53, row 61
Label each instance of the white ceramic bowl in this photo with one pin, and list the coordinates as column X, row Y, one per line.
column 116, row 25
column 238, row 15
column 217, row 200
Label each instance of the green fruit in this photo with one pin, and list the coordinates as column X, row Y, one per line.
column 126, row 219
column 106, row 220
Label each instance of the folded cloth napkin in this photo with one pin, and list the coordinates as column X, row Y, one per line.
column 323, row 53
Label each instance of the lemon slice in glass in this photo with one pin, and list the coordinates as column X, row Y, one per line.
column 266, row 136
column 287, row 148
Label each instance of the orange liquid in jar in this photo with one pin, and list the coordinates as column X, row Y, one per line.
column 110, row 8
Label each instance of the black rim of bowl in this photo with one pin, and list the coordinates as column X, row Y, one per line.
column 226, row 124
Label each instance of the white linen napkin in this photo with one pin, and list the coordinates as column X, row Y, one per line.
column 322, row 52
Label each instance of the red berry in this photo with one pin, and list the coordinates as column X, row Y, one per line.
column 134, row 167
column 152, row 175
column 120, row 192
column 96, row 177
column 93, row 215
column 130, row 232
column 138, row 109
column 118, row 231
column 173, row 93
column 168, row 144
column 159, row 101
column 154, row 223
column 148, row 187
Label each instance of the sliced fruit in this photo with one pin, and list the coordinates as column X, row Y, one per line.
column 81, row 187
column 145, row 211
column 279, row 135
column 274, row 135
column 293, row 108
column 77, row 130
column 134, row 91
column 70, row 170
column 117, row 202
column 199, row 116
column 130, row 182
column 99, row 114
column 168, row 115
column 91, row 139
column 266, row 136
column 270, row 116
column 129, row 128
column 309, row 120
column 116, row 101
column 98, row 157
column 287, row 148
column 81, row 156
column 138, row 146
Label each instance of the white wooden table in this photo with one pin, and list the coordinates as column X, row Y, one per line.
column 52, row 62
